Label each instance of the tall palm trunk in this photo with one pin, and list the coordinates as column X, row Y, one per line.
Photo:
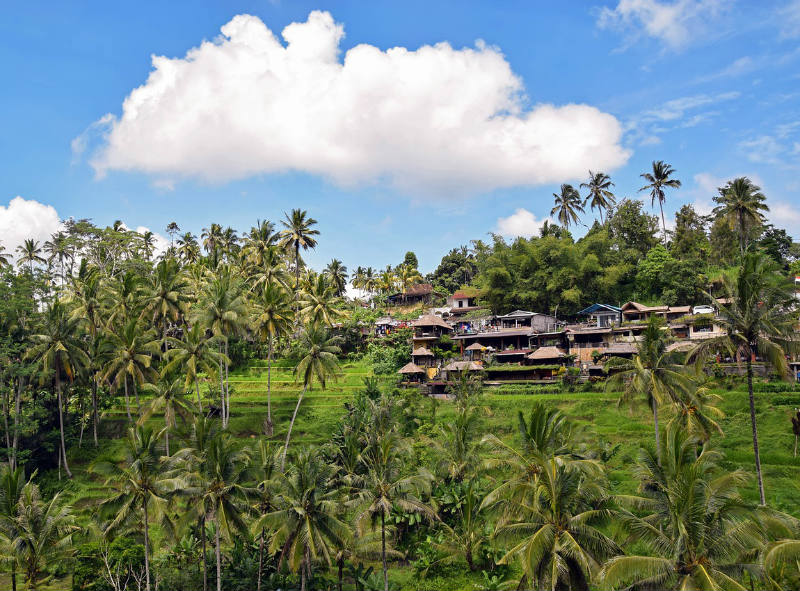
column 260, row 560
column 291, row 426
column 655, row 422
column 383, row 552
column 663, row 222
column 146, row 548
column 296, row 283
column 127, row 400
column 136, row 395
column 203, row 541
column 17, row 409
column 755, row 429
column 166, row 438
column 94, row 409
column 269, row 388
column 197, row 387
column 61, row 425
column 227, row 388
column 217, row 550
column 221, row 391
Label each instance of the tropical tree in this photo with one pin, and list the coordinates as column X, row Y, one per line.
column 385, row 484
column 43, row 533
column 169, row 397
column 222, row 479
column 742, row 204
column 223, row 309
column 653, row 374
column 144, row 483
column 600, row 195
column 188, row 248
column 193, row 354
column 759, row 320
column 59, row 352
column 306, row 519
column 30, row 253
column 555, row 535
column 657, row 181
column 12, row 484
column 132, row 351
column 318, row 303
column 689, row 516
column 270, row 270
column 298, row 233
column 319, row 363
column 469, row 533
column 4, row 256
column 567, row 205
column 272, row 318
column 166, row 298
column 336, row 274
column 407, row 276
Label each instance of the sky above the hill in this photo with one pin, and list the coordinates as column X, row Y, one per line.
column 397, row 125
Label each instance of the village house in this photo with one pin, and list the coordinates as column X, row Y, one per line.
column 603, row 315
column 533, row 320
column 414, row 294
column 428, row 329
column 463, row 301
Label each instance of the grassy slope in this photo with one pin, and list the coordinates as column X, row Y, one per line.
column 597, row 413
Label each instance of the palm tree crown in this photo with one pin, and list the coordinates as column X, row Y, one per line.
column 657, row 180
column 568, row 204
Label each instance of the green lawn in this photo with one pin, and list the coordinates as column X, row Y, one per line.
column 596, row 413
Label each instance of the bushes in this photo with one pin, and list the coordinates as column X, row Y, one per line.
column 776, row 387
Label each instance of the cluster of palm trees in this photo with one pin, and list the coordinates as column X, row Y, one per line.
column 389, row 281
column 133, row 326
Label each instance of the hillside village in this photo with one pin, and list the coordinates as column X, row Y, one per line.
column 527, row 346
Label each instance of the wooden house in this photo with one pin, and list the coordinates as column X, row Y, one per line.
column 533, row 320
column 636, row 312
column 603, row 315
column 422, row 357
column 429, row 329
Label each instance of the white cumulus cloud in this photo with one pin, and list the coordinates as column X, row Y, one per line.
column 22, row 219
column 521, row 223
column 435, row 118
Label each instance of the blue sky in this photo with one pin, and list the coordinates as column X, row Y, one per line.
column 415, row 149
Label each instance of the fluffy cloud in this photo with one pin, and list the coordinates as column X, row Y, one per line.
column 675, row 24
column 26, row 218
column 435, row 118
column 785, row 215
column 521, row 223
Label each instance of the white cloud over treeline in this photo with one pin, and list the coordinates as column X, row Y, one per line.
column 436, row 118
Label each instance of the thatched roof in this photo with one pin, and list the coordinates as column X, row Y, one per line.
column 419, row 289
column 410, row 368
column 642, row 308
column 680, row 309
column 463, row 366
column 431, row 320
column 543, row 353
column 476, row 346
column 620, row 349
column 421, row 352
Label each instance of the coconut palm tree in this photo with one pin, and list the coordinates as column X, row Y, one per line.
column 258, row 241
column 298, row 233
column 407, row 276
column 144, row 482
column 223, row 310
column 271, row 319
column 654, row 374
column 58, row 249
column 12, row 484
column 172, row 229
column 741, row 204
column 689, row 516
column 306, row 519
column 223, row 477
column 555, row 537
column 133, row 348
column 470, row 529
column 657, row 181
column 265, row 467
column 43, row 533
column 336, row 274
column 170, row 399
column 4, row 256
column 166, row 298
column 193, row 354
column 318, row 303
column 567, row 205
column 212, row 239
column 319, row 363
column 385, row 485
column 759, row 320
column 600, row 195
column 122, row 299
column 188, row 248
column 58, row 351
column 30, row 253
column 271, row 270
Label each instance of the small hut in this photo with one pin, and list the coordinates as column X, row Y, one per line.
column 411, row 372
column 422, row 357
column 547, row 355
column 475, row 351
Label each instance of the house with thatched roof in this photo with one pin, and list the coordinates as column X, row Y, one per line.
column 422, row 357
column 414, row 294
column 412, row 372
